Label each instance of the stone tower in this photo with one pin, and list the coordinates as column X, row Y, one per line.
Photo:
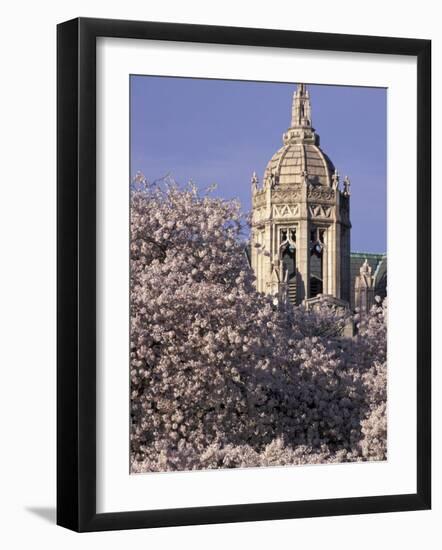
column 300, row 242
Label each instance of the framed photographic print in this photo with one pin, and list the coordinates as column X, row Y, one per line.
column 244, row 251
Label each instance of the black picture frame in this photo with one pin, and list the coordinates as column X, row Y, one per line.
column 76, row 274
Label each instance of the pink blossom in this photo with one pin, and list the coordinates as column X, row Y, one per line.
column 220, row 375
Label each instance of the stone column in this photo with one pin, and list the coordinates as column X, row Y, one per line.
column 345, row 267
column 325, row 264
column 268, row 243
column 303, row 248
column 338, row 252
column 253, row 252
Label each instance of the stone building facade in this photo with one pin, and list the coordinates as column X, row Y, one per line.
column 363, row 264
column 300, row 235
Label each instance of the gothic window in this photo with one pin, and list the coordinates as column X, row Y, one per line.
column 287, row 234
column 287, row 252
column 316, row 261
column 288, row 258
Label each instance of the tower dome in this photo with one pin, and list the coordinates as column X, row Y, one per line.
column 295, row 160
column 300, row 155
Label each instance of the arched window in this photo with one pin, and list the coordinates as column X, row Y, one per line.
column 316, row 261
column 287, row 252
column 288, row 257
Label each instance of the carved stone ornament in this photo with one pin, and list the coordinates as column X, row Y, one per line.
column 285, row 211
column 321, row 193
column 286, row 196
column 319, row 211
column 259, row 198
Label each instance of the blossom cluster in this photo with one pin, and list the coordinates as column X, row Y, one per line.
column 221, row 376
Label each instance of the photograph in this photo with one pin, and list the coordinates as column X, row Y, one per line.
column 219, row 317
column 258, row 274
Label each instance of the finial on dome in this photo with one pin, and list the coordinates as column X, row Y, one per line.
column 301, row 108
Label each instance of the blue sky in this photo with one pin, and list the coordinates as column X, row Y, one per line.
column 220, row 131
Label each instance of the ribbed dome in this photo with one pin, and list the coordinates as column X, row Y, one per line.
column 289, row 163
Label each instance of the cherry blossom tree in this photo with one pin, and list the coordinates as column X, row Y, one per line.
column 221, row 376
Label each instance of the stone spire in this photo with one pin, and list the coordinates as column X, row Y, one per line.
column 364, row 288
column 301, row 130
column 301, row 108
